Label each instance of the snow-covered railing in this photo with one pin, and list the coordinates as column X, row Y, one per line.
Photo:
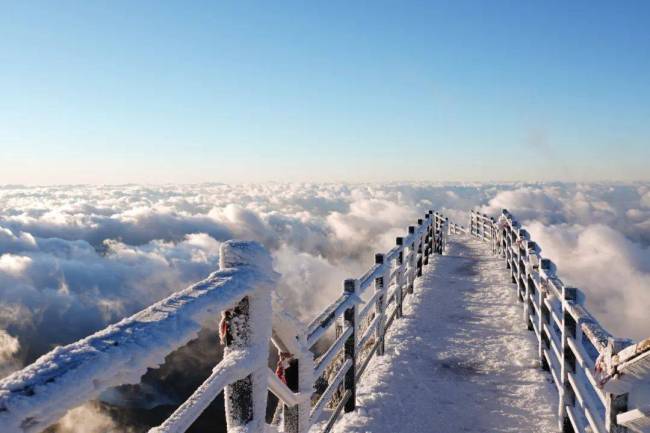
column 602, row 382
column 251, row 320
column 37, row 396
column 360, row 329
column 456, row 229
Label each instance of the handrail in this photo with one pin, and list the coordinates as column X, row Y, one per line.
column 362, row 327
column 583, row 358
column 40, row 394
column 35, row 397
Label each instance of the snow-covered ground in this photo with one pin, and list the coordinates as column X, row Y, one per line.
column 461, row 359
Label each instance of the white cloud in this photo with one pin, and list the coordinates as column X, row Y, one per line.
column 88, row 419
column 9, row 347
column 12, row 264
column 645, row 200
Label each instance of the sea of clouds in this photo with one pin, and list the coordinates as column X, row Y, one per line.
column 76, row 258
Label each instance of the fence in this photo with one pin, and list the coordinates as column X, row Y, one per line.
column 602, row 381
column 40, row 394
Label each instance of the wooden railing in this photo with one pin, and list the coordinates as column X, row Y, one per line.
column 361, row 333
column 602, row 381
column 37, row 396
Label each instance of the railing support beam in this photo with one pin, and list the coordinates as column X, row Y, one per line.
column 349, row 286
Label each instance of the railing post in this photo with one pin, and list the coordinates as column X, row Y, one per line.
column 291, row 414
column 399, row 279
column 615, row 403
column 239, row 395
column 506, row 238
column 245, row 399
column 471, row 222
column 349, row 286
column 527, row 281
column 412, row 262
column 544, row 316
column 493, row 233
column 445, row 234
column 425, row 241
column 420, row 250
column 432, row 225
column 245, row 407
column 483, row 225
column 381, row 284
column 567, row 362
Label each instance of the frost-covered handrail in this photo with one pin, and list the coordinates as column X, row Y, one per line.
column 602, row 381
column 360, row 329
column 35, row 397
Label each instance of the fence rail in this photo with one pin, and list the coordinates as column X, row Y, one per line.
column 37, row 396
column 602, row 381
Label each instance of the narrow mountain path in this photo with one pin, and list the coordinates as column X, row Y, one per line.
column 461, row 359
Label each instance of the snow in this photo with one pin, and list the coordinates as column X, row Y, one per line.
column 66, row 377
column 461, row 358
column 235, row 366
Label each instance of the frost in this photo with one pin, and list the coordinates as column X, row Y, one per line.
column 68, row 376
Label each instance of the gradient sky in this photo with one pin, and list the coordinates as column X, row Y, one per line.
column 139, row 91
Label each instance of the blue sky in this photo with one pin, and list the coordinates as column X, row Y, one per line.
column 113, row 92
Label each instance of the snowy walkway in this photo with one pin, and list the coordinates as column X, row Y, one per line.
column 461, row 360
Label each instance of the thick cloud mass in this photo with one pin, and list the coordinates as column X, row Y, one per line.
column 75, row 258
column 599, row 236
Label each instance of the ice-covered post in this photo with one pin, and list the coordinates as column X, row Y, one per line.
column 381, row 283
column 425, row 241
column 432, row 230
column 544, row 314
column 506, row 243
column 493, row 235
column 471, row 222
column 439, row 235
column 247, row 328
column 350, row 286
column 615, row 404
column 568, row 362
column 399, row 279
column 445, row 234
column 420, row 249
column 484, row 225
column 291, row 414
column 291, row 341
column 527, row 276
column 412, row 262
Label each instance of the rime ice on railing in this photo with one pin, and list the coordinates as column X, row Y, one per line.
column 360, row 330
column 602, row 381
column 37, row 396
